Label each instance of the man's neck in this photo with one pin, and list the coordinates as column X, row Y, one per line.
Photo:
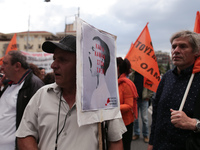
column 69, row 96
column 19, row 75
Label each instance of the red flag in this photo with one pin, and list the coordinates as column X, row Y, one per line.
column 197, row 23
column 12, row 46
column 143, row 60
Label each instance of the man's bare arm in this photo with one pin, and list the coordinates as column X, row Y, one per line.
column 27, row 143
column 118, row 145
column 150, row 147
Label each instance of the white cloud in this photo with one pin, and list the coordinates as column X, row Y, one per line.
column 126, row 18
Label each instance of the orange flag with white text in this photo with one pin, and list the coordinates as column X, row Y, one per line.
column 11, row 47
column 143, row 60
column 197, row 23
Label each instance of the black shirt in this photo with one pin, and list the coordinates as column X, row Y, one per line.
column 164, row 136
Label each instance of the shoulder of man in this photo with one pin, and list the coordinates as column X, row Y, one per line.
column 132, row 75
column 33, row 80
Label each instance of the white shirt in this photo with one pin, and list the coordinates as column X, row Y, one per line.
column 8, row 117
column 40, row 121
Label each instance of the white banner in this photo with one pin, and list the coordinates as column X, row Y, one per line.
column 40, row 59
column 97, row 87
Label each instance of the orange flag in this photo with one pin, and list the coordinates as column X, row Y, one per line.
column 12, row 46
column 197, row 23
column 143, row 60
column 196, row 67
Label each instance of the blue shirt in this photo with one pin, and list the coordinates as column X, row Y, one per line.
column 164, row 136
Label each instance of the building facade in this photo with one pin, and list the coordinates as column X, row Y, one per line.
column 27, row 41
column 31, row 41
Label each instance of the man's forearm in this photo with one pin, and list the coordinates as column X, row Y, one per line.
column 150, row 147
column 27, row 143
column 118, row 145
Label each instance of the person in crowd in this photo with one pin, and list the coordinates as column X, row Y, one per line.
column 128, row 99
column 15, row 96
column 171, row 128
column 36, row 70
column 43, row 72
column 50, row 119
column 49, row 78
column 143, row 104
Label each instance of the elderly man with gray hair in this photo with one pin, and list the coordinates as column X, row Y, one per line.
column 171, row 127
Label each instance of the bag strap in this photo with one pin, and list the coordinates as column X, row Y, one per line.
column 104, row 126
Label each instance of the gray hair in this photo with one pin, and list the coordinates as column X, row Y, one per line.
column 193, row 39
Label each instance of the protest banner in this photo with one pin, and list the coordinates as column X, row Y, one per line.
column 40, row 59
column 11, row 46
column 97, row 96
column 143, row 60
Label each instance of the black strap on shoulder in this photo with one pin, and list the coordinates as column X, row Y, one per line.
column 104, row 127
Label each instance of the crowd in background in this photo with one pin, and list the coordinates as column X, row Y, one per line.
column 44, row 116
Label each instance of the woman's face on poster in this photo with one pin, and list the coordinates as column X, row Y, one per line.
column 96, row 58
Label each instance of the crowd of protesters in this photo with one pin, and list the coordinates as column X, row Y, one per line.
column 38, row 109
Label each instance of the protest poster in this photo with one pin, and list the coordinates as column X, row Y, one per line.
column 97, row 88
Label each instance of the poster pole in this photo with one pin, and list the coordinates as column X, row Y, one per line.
column 100, row 136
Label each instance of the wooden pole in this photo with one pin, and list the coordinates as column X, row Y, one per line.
column 186, row 92
column 100, row 136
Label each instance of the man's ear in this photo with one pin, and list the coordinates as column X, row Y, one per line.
column 197, row 54
column 17, row 65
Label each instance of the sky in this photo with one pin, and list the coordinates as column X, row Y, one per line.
column 123, row 18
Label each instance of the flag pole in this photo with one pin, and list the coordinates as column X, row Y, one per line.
column 100, row 136
column 186, row 92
